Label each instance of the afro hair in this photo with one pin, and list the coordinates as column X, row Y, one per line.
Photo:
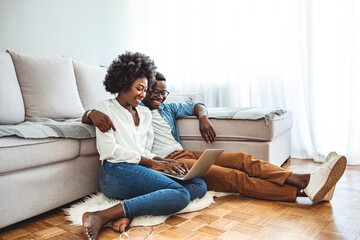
column 126, row 68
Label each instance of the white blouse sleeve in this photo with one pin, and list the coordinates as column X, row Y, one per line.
column 149, row 143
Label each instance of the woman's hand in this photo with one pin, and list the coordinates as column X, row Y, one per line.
column 171, row 165
column 206, row 129
column 101, row 121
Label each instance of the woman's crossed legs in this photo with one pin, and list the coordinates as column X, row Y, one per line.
column 147, row 193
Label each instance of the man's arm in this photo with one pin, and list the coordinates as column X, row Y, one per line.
column 99, row 119
column 206, row 128
column 86, row 116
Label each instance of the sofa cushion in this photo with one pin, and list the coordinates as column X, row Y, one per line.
column 90, row 80
column 48, row 86
column 27, row 193
column 20, row 153
column 238, row 129
column 88, row 147
column 11, row 102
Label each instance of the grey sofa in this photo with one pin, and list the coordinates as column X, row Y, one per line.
column 45, row 163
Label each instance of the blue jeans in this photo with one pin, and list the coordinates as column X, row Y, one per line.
column 146, row 191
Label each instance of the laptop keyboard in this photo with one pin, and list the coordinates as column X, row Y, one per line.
column 174, row 174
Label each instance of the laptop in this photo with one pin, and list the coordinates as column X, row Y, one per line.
column 199, row 168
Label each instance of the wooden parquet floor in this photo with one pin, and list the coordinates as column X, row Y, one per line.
column 231, row 217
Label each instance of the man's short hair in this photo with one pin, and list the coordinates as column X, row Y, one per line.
column 159, row 77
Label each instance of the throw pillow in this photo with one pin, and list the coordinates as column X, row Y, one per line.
column 90, row 80
column 12, row 109
column 48, row 86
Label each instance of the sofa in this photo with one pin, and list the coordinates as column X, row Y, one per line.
column 48, row 158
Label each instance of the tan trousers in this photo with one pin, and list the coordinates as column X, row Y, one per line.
column 243, row 173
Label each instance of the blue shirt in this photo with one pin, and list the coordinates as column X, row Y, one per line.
column 173, row 111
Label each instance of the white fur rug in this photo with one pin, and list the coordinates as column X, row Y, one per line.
column 98, row 201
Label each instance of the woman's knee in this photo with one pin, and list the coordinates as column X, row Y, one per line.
column 203, row 188
column 183, row 198
column 195, row 189
column 200, row 188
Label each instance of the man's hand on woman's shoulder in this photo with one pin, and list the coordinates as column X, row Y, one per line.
column 101, row 121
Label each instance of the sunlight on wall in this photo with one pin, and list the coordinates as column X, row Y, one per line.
column 87, row 30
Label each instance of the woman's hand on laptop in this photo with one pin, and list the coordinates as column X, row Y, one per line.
column 170, row 165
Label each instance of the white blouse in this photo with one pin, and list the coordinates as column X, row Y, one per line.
column 129, row 142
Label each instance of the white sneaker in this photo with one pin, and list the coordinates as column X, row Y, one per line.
column 324, row 179
column 330, row 194
column 330, row 156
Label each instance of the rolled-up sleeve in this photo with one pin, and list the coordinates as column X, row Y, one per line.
column 149, row 143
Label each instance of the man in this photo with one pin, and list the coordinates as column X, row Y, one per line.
column 232, row 172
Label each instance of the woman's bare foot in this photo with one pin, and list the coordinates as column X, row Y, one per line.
column 92, row 223
column 121, row 224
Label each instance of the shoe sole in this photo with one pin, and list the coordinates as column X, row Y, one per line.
column 329, row 195
column 336, row 172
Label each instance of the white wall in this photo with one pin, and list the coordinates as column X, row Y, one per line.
column 90, row 31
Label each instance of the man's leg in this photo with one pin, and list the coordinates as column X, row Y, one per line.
column 226, row 179
column 253, row 167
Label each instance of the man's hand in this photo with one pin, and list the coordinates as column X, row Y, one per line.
column 101, row 121
column 206, row 129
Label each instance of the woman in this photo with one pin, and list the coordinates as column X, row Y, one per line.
column 127, row 161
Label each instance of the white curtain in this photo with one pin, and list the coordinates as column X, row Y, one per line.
column 301, row 55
